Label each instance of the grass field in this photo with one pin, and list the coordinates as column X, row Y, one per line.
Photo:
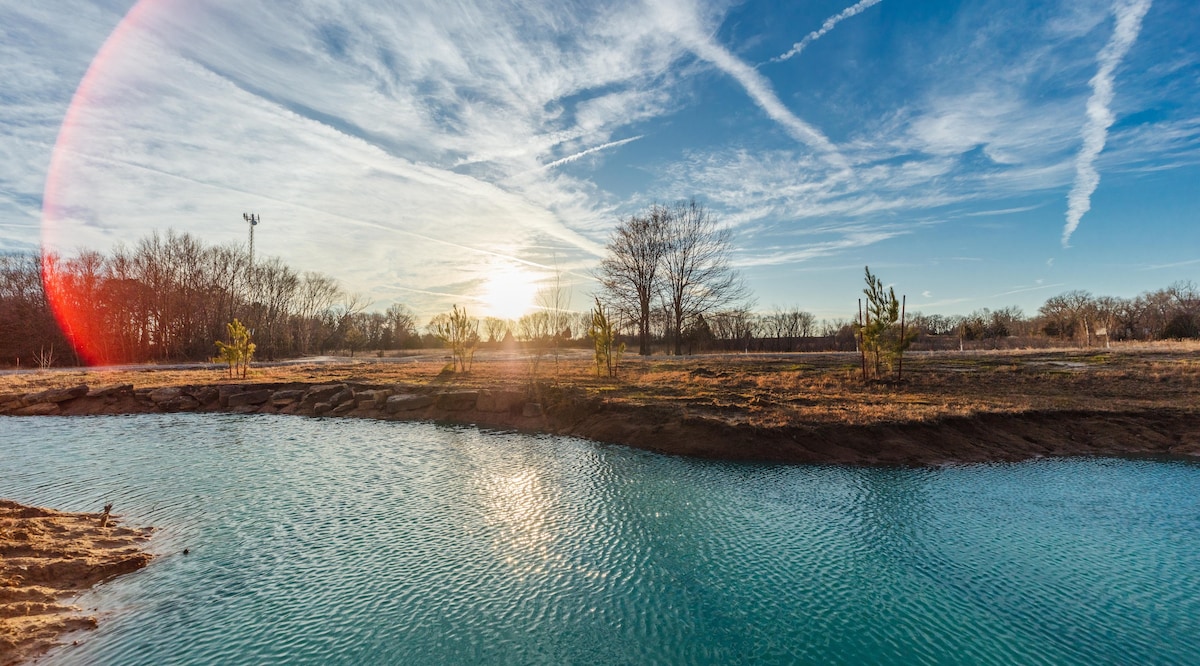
column 768, row 390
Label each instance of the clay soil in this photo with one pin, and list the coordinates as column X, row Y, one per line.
column 46, row 556
column 802, row 407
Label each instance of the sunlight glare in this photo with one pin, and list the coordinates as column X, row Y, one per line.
column 509, row 293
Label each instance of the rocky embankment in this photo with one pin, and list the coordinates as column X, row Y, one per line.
column 503, row 408
column 663, row 427
column 46, row 555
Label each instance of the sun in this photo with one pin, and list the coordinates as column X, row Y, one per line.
column 508, row 294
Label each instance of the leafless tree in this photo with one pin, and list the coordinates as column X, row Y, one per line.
column 629, row 274
column 697, row 277
column 402, row 324
column 496, row 328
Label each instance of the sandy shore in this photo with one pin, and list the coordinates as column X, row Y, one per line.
column 46, row 556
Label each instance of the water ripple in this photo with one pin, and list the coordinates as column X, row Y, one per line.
column 331, row 541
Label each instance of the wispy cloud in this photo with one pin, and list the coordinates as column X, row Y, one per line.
column 1003, row 211
column 1023, row 290
column 683, row 18
column 595, row 149
column 828, row 25
column 1128, row 14
column 1174, row 264
column 409, row 148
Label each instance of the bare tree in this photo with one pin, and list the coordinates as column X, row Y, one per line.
column 496, row 328
column 316, row 297
column 736, row 327
column 785, row 326
column 629, row 273
column 460, row 332
column 554, row 301
column 697, row 277
column 402, row 323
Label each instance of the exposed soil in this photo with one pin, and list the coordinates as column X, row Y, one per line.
column 802, row 407
column 46, row 555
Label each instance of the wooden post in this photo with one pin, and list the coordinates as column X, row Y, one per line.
column 900, row 364
column 862, row 352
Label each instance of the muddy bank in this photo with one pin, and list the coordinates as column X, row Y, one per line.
column 47, row 555
column 666, row 427
column 970, row 439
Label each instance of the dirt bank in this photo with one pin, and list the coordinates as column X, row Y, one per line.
column 755, row 431
column 47, row 555
column 960, row 439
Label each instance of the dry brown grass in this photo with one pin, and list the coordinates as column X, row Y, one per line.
column 768, row 390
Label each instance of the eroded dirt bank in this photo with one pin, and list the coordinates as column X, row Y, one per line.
column 666, row 427
column 959, row 439
column 46, row 555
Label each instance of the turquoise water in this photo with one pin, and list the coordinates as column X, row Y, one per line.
column 360, row 542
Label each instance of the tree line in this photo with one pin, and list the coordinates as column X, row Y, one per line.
column 169, row 297
column 666, row 283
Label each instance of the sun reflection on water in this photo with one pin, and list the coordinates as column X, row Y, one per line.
column 517, row 510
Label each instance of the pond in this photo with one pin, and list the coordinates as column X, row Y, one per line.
column 341, row 541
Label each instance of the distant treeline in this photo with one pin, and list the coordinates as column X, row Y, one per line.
column 1069, row 319
column 168, row 298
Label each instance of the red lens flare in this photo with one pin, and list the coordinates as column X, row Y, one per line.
column 71, row 294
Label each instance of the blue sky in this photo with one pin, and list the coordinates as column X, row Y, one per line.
column 974, row 154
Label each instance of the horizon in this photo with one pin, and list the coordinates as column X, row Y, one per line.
column 974, row 156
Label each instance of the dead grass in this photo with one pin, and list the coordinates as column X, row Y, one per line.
column 768, row 390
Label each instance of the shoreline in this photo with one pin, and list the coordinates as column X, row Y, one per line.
column 984, row 436
column 49, row 555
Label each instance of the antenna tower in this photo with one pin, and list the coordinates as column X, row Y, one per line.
column 252, row 219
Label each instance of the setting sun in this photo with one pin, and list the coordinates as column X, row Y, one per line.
column 508, row 294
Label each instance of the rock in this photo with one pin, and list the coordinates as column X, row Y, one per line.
column 322, row 408
column 457, row 401
column 375, row 399
column 161, row 395
column 286, row 397
column 343, row 396
column 227, row 391
column 323, row 392
column 57, row 395
column 257, row 397
column 531, row 410
column 205, row 395
column 499, row 401
column 343, row 409
column 40, row 409
column 183, row 403
column 111, row 391
column 406, row 402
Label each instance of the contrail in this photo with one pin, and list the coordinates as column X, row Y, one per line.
column 681, row 19
column 571, row 158
column 759, row 89
column 1129, row 15
column 813, row 36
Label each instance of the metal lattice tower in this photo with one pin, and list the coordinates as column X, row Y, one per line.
column 253, row 220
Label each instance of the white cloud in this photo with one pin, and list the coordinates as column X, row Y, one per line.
column 409, row 148
column 683, row 19
column 594, row 149
column 852, row 10
column 1128, row 14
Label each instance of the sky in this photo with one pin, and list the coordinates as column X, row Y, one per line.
column 974, row 154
